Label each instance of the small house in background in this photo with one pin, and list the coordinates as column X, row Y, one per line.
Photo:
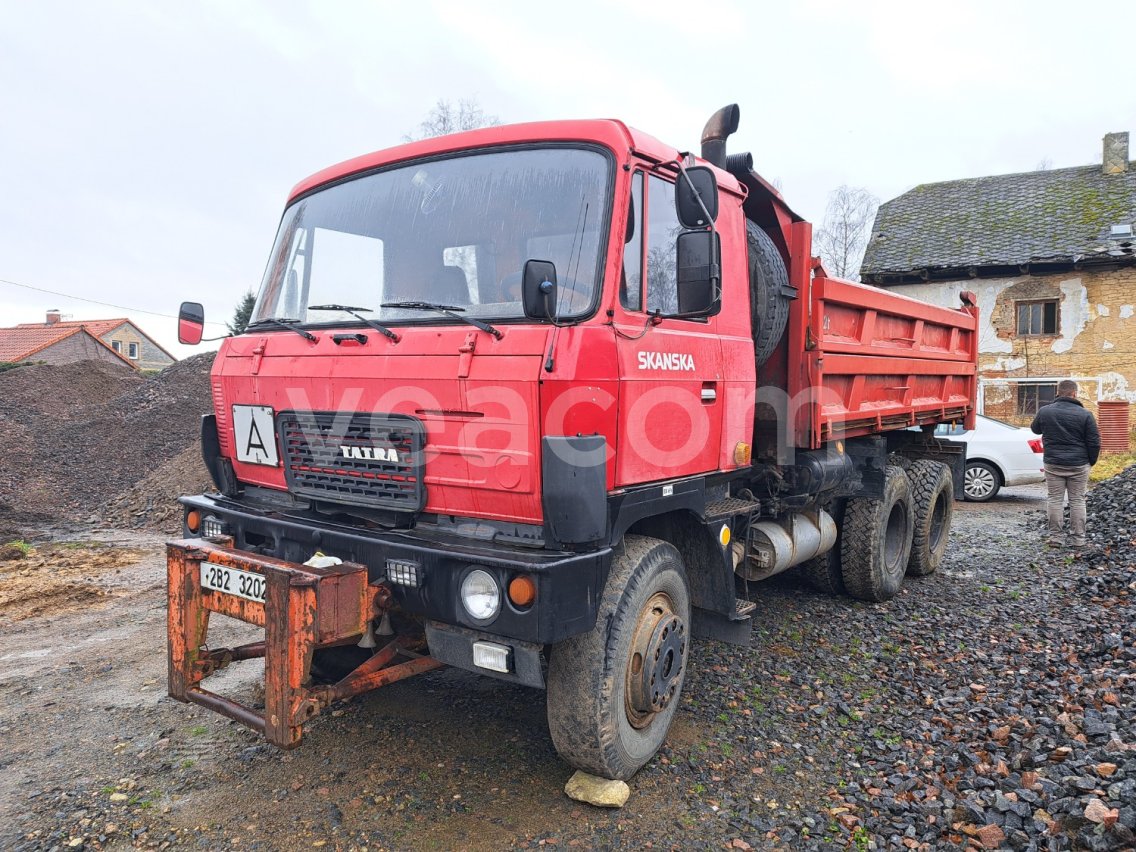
column 121, row 336
column 1052, row 257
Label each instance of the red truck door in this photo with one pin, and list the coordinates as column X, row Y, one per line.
column 671, row 396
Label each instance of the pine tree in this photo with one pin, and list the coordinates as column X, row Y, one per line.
column 242, row 314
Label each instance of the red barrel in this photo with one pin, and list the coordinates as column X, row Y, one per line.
column 1114, row 426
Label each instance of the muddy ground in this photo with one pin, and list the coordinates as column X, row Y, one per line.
column 95, row 755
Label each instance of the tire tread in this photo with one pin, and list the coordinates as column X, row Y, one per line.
column 579, row 721
column 862, row 542
column 768, row 278
column 928, row 478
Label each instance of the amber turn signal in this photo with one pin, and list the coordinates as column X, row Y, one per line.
column 522, row 590
column 193, row 520
column 742, row 453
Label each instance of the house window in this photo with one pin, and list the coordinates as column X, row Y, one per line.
column 1033, row 395
column 117, row 344
column 132, row 350
column 1037, row 318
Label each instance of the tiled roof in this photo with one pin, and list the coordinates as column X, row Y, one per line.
column 19, row 344
column 22, row 344
column 1054, row 216
column 96, row 327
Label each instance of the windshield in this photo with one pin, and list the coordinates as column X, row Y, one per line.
column 452, row 232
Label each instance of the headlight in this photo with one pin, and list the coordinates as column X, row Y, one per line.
column 480, row 595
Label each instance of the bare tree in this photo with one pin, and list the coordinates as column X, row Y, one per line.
column 444, row 117
column 1043, row 165
column 847, row 227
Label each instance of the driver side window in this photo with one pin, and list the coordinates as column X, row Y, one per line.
column 663, row 229
column 631, row 279
column 654, row 214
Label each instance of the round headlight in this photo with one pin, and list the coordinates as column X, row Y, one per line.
column 480, row 595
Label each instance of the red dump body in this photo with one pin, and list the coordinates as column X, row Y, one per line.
column 868, row 360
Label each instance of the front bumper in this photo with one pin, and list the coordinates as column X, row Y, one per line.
column 568, row 585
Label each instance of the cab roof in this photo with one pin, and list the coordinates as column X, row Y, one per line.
column 610, row 133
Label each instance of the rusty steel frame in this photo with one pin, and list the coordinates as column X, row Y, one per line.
column 304, row 609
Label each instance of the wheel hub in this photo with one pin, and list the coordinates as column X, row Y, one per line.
column 658, row 659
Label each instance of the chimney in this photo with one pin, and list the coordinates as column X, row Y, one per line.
column 53, row 316
column 1115, row 154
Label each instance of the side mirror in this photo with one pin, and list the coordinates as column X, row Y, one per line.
column 538, row 289
column 191, row 323
column 690, row 212
column 699, row 265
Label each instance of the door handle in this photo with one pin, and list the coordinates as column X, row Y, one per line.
column 709, row 392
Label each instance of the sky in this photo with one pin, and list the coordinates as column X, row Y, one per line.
column 147, row 149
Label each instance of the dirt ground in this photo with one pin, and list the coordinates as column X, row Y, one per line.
column 96, row 756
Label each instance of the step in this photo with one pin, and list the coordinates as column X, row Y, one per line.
column 730, row 506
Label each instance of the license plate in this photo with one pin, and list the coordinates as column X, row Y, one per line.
column 233, row 581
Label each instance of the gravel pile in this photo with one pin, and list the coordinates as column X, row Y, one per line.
column 80, row 436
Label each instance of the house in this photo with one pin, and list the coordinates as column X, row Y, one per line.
column 121, row 335
column 1052, row 258
column 56, row 346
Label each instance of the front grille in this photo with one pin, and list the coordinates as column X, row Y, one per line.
column 372, row 460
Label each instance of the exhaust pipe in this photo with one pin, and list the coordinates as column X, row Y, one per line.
column 717, row 130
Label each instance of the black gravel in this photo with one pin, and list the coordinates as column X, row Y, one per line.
column 990, row 705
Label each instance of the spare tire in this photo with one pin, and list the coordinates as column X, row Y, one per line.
column 768, row 293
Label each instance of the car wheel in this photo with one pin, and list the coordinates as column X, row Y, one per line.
column 982, row 482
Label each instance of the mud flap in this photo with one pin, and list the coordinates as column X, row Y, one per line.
column 713, row 625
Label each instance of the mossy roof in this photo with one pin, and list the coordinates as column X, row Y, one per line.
column 1058, row 215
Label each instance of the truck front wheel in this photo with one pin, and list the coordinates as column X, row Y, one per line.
column 612, row 692
column 875, row 541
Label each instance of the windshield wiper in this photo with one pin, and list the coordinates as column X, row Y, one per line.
column 356, row 312
column 289, row 324
column 448, row 310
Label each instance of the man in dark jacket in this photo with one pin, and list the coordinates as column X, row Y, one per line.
column 1072, row 446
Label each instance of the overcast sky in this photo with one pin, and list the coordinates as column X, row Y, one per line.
column 146, row 149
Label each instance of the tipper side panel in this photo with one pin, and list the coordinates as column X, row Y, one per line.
column 880, row 361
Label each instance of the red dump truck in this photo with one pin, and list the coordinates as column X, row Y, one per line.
column 542, row 402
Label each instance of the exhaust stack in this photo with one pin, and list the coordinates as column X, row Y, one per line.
column 717, row 130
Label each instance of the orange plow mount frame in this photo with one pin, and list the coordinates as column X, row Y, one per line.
column 304, row 609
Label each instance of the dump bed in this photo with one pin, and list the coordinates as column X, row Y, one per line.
column 871, row 361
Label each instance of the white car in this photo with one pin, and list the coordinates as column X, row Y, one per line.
column 997, row 454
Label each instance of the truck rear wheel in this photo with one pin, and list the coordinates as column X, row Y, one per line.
column 612, row 692
column 768, row 284
column 933, row 496
column 876, row 540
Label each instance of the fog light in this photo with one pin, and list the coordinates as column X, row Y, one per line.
column 490, row 655
column 480, row 595
column 212, row 527
column 404, row 572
